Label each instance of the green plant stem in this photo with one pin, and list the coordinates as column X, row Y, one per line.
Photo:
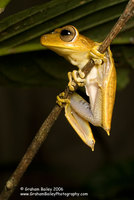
column 48, row 123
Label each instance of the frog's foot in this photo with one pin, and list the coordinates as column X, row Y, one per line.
column 95, row 52
column 76, row 77
column 71, row 83
column 96, row 55
column 79, row 76
column 61, row 100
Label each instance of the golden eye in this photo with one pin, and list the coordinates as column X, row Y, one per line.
column 67, row 33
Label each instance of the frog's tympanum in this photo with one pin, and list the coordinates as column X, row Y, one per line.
column 100, row 83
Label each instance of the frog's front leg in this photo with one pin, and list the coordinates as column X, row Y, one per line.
column 76, row 77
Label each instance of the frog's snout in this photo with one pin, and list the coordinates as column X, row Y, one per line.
column 43, row 39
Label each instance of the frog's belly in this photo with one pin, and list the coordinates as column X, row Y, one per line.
column 92, row 86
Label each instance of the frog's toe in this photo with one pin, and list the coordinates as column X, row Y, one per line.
column 81, row 74
column 81, row 84
column 72, row 85
column 61, row 100
column 78, row 76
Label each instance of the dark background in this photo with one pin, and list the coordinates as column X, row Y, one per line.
column 64, row 160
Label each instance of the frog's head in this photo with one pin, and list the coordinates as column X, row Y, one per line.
column 67, row 42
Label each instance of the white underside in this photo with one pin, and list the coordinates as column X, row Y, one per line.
column 91, row 86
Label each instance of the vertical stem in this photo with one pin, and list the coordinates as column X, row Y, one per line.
column 126, row 15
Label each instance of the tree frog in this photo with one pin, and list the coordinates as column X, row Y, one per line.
column 100, row 83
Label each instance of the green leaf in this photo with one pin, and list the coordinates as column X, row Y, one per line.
column 122, row 66
column 122, row 78
column 32, row 23
column 34, row 16
column 31, row 69
column 129, row 54
column 3, row 4
column 126, row 37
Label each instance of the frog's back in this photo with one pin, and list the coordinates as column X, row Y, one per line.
column 109, row 95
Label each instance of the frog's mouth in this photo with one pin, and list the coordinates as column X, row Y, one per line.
column 62, row 50
column 77, row 58
column 51, row 43
column 69, row 51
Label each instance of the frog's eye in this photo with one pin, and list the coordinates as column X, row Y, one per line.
column 67, row 34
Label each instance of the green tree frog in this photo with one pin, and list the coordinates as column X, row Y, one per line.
column 100, row 83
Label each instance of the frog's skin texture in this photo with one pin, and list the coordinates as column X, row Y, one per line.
column 100, row 84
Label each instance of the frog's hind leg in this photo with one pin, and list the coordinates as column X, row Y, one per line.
column 80, row 125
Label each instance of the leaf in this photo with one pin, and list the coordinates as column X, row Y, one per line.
column 129, row 54
column 122, row 78
column 84, row 14
column 122, row 67
column 32, row 70
column 126, row 37
column 31, row 17
column 3, row 4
